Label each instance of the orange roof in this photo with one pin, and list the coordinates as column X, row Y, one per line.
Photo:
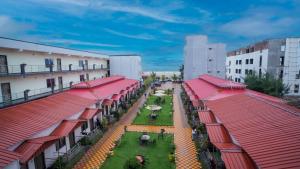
column 107, row 102
column 89, row 113
column 267, row 131
column 34, row 146
column 66, row 127
column 206, row 117
column 98, row 82
column 217, row 133
column 25, row 120
column 7, row 157
column 237, row 160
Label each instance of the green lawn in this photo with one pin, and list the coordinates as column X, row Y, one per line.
column 165, row 118
column 157, row 156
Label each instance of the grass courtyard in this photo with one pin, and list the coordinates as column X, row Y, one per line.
column 165, row 115
column 156, row 155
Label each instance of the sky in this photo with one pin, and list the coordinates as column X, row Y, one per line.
column 154, row 29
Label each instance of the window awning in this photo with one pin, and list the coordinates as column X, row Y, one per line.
column 33, row 147
column 89, row 113
column 217, row 133
column 237, row 160
column 66, row 127
column 206, row 117
column 107, row 102
column 116, row 97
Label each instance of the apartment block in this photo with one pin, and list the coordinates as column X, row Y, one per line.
column 30, row 70
column 278, row 57
column 200, row 57
column 126, row 65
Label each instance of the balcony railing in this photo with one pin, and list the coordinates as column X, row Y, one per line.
column 27, row 95
column 24, row 69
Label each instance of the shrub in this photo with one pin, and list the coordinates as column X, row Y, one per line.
column 85, row 141
column 172, row 158
column 133, row 163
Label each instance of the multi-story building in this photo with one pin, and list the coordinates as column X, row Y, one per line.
column 278, row 57
column 29, row 70
column 126, row 65
column 200, row 57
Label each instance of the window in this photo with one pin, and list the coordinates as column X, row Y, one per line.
column 298, row 75
column 251, row 61
column 50, row 83
column 250, row 72
column 210, row 48
column 81, row 78
column 281, row 60
column 208, row 71
column 296, row 88
column 240, row 62
column 260, row 60
column 209, row 60
column 260, row 73
column 236, row 62
column 229, row 63
column 239, row 80
column 235, row 79
column 281, row 74
column 247, row 61
column 48, row 62
column 229, row 70
column 84, row 126
column 218, row 71
column 236, row 70
column 282, row 48
column 240, row 71
column 60, row 143
column 81, row 64
column 246, row 71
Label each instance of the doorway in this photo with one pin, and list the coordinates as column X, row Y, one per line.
column 39, row 161
column 60, row 83
column 72, row 139
column 58, row 60
column 3, row 64
column 6, row 92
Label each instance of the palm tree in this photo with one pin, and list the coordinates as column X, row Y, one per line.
column 181, row 69
column 153, row 75
column 174, row 77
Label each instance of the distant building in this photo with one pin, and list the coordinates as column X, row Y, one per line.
column 126, row 65
column 278, row 57
column 200, row 57
column 166, row 74
column 30, row 70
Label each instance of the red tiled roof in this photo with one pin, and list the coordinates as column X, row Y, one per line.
column 66, row 127
column 98, row 82
column 103, row 91
column 25, row 120
column 107, row 102
column 267, row 131
column 7, row 157
column 89, row 113
column 201, row 88
column 217, row 133
column 206, row 117
column 237, row 160
column 116, row 97
column 195, row 103
column 221, row 83
column 34, row 146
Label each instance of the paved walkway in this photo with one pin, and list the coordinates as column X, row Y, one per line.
column 185, row 148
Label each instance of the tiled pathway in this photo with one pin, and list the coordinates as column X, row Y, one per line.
column 185, row 148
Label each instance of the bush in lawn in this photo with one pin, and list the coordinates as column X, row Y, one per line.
column 133, row 163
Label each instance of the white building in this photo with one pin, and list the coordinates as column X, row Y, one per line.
column 29, row 70
column 200, row 57
column 126, row 65
column 278, row 57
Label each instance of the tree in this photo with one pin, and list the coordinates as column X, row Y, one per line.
column 181, row 69
column 174, row 77
column 267, row 84
column 153, row 75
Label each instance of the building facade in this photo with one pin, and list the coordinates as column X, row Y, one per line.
column 278, row 57
column 29, row 70
column 126, row 65
column 200, row 57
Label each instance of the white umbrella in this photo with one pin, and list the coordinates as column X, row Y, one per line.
column 159, row 94
column 153, row 107
column 160, row 91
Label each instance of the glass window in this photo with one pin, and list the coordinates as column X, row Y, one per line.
column 296, row 88
column 251, row 61
column 281, row 60
column 60, row 143
column 240, row 62
column 50, row 82
column 48, row 62
column 84, row 126
column 247, row 61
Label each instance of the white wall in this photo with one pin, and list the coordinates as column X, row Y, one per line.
column 13, row 165
column 292, row 64
column 203, row 58
column 128, row 66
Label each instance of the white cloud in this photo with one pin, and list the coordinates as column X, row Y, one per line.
column 10, row 27
column 139, row 36
column 76, row 42
column 260, row 22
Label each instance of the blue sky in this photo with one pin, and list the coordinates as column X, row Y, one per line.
column 154, row 29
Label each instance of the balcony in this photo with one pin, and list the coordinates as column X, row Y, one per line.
column 27, row 95
column 24, row 70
